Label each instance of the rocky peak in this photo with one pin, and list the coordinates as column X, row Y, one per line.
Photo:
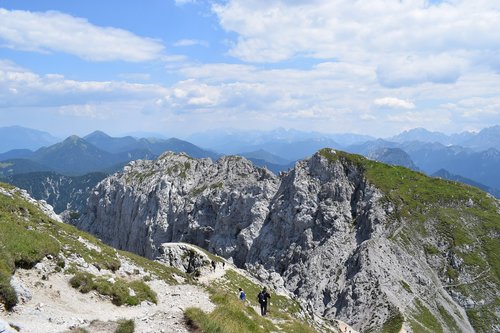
column 217, row 205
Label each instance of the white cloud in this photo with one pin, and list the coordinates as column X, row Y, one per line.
column 410, row 42
column 190, row 42
column 392, row 102
column 32, row 89
column 57, row 32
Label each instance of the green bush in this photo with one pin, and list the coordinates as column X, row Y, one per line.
column 83, row 282
column 125, row 326
column 143, row 291
column 117, row 290
column 8, row 295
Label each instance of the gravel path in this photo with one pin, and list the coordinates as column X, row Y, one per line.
column 56, row 307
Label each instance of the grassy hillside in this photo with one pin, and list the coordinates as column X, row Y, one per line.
column 28, row 237
column 456, row 226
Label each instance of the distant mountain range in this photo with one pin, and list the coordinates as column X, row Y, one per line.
column 96, row 152
column 482, row 140
column 472, row 158
column 64, row 173
column 15, row 137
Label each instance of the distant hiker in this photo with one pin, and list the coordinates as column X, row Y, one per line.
column 262, row 297
column 223, row 264
column 242, row 294
column 213, row 265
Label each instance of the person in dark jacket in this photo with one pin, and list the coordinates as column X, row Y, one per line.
column 263, row 298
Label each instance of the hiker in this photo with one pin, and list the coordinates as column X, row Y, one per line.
column 262, row 298
column 242, row 294
column 213, row 265
column 223, row 264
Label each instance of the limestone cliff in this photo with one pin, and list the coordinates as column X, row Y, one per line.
column 377, row 246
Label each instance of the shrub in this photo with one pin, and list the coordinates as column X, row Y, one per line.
column 125, row 326
column 82, row 281
column 119, row 291
column 8, row 295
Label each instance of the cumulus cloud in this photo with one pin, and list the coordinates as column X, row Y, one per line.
column 331, row 28
column 392, row 102
column 57, row 32
column 410, row 42
column 21, row 87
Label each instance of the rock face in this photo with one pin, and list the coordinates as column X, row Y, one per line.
column 328, row 230
column 219, row 206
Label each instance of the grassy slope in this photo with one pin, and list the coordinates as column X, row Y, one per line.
column 283, row 313
column 463, row 218
column 27, row 236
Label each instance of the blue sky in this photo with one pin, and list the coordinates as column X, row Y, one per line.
column 177, row 67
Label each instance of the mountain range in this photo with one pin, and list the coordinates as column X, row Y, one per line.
column 277, row 150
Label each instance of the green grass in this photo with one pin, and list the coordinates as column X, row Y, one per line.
column 21, row 242
column 125, row 326
column 27, row 236
column 431, row 249
column 233, row 315
column 393, row 324
column 426, row 319
column 230, row 315
column 448, row 319
column 118, row 290
column 280, row 306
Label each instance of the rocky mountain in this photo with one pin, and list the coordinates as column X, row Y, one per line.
column 55, row 278
column 483, row 140
column 17, row 137
column 421, row 135
column 379, row 247
column 393, row 156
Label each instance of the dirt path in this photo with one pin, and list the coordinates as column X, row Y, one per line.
column 56, row 307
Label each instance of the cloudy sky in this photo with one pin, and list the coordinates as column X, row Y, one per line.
column 373, row 67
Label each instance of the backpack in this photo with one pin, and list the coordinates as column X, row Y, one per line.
column 261, row 297
column 243, row 296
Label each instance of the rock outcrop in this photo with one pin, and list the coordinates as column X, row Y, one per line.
column 353, row 239
column 219, row 206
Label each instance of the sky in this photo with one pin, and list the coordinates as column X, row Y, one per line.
column 178, row 67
